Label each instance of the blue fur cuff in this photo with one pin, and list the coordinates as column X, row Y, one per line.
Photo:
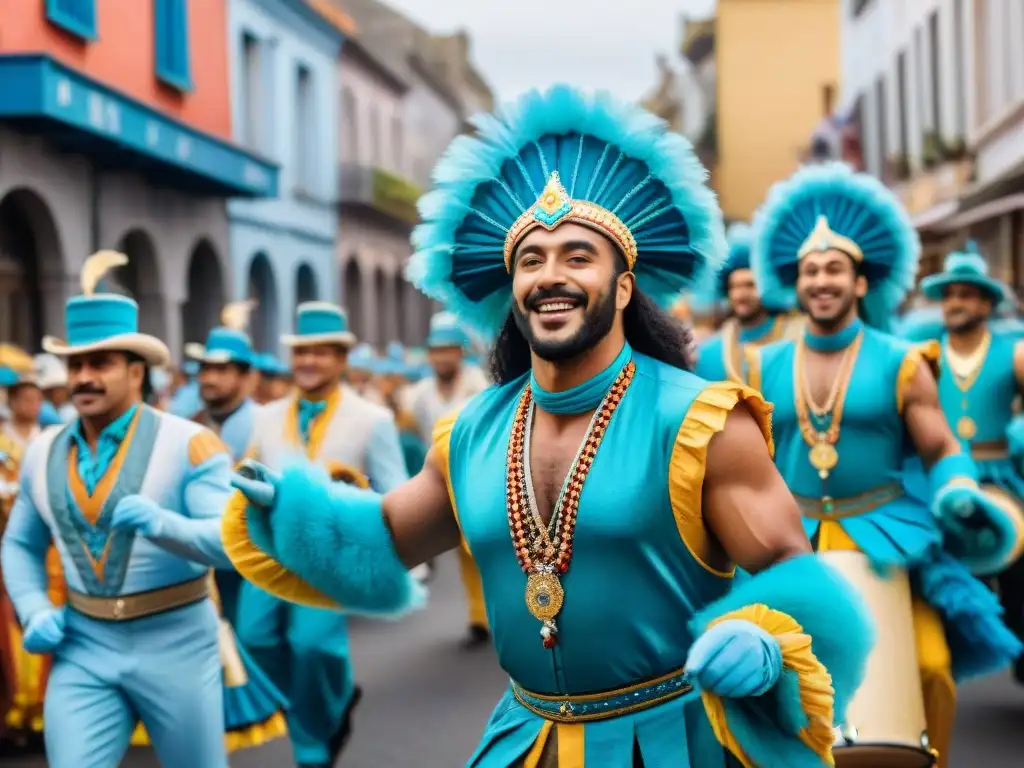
column 333, row 536
column 945, row 470
column 842, row 634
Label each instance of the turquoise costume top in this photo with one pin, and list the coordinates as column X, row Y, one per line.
column 866, row 491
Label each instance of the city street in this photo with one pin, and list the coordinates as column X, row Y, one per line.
column 426, row 700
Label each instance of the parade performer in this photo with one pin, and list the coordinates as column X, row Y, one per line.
column 305, row 650
column 362, row 367
column 752, row 321
column 852, row 403
column 981, row 375
column 556, row 228
column 132, row 499
column 274, row 379
column 453, row 384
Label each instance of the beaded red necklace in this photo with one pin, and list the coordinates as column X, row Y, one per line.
column 544, row 552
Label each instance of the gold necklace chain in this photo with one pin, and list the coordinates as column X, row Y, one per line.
column 967, row 368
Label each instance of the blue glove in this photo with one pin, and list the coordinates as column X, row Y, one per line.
column 142, row 515
column 258, row 483
column 44, row 631
column 735, row 659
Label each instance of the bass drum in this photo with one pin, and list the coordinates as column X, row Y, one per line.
column 885, row 722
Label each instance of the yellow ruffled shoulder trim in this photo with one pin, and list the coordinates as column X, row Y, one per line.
column 442, row 444
column 926, row 352
column 817, row 697
column 705, row 419
column 257, row 567
column 203, row 446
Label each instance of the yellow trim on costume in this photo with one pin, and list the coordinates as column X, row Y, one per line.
column 570, row 745
column 705, row 419
column 203, row 446
column 926, row 352
column 832, row 537
column 817, row 697
column 341, row 472
column 257, row 566
column 537, row 750
column 318, row 429
column 554, row 207
column 442, row 438
column 752, row 357
column 254, row 735
column 822, row 239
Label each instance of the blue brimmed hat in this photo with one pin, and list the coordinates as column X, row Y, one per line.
column 320, row 322
column 268, row 364
column 228, row 343
column 555, row 157
column 830, row 206
column 446, row 331
column 966, row 266
column 105, row 321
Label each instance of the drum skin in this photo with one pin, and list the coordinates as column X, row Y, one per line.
column 885, row 725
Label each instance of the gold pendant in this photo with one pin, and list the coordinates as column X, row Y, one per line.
column 823, row 457
column 544, row 595
column 966, row 428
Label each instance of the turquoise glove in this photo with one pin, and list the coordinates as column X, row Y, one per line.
column 257, row 483
column 142, row 515
column 735, row 659
column 44, row 631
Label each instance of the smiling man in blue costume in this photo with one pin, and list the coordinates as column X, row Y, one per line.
column 132, row 498
column 604, row 492
column 852, row 403
column 981, row 375
column 751, row 323
column 305, row 649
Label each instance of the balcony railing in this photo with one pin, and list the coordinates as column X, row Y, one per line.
column 384, row 192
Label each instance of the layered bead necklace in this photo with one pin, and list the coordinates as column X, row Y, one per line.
column 544, row 551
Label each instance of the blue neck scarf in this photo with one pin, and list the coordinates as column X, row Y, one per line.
column 584, row 397
column 756, row 332
column 93, row 466
column 834, row 342
column 308, row 413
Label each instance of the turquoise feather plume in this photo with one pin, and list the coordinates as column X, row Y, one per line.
column 857, row 206
column 607, row 152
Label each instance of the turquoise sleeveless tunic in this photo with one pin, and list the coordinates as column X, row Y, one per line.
column 989, row 403
column 713, row 359
column 872, row 448
column 630, row 590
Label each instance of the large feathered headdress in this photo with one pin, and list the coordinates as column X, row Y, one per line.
column 830, row 206
column 554, row 157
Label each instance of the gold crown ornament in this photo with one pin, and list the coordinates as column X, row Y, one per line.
column 822, row 239
column 554, row 206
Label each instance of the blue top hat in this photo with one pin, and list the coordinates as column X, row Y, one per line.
column 320, row 322
column 445, row 331
column 966, row 266
column 103, row 321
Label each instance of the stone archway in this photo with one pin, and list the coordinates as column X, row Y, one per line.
column 352, row 297
column 381, row 306
column 140, row 279
column 30, row 257
column 305, row 285
column 398, row 285
column 263, row 289
column 201, row 310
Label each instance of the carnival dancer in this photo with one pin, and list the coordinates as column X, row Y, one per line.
column 579, row 213
column 305, row 650
column 132, row 498
column 752, row 321
column 846, row 394
column 981, row 375
column 453, row 384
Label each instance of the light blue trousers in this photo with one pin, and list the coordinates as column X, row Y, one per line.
column 164, row 670
column 306, row 654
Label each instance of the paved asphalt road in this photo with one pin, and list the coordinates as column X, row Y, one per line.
column 426, row 700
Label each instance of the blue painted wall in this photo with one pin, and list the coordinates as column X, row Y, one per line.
column 296, row 231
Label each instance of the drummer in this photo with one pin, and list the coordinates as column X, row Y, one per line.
column 846, row 393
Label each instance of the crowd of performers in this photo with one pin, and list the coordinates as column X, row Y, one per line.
column 784, row 548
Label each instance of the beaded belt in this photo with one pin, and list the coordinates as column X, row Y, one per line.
column 140, row 605
column 828, row 508
column 570, row 708
column 990, row 449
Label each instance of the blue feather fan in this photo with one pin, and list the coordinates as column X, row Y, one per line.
column 857, row 206
column 606, row 152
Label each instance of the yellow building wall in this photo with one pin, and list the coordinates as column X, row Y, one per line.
column 773, row 61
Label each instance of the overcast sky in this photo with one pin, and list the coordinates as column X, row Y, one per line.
column 520, row 44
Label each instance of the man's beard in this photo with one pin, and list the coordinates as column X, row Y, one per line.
column 220, row 401
column 834, row 321
column 597, row 323
column 970, row 323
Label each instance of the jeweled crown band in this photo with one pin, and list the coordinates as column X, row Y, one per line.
column 555, row 207
column 822, row 239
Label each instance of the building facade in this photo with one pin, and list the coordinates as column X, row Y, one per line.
column 284, row 104
column 405, row 94
column 777, row 63
column 115, row 132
